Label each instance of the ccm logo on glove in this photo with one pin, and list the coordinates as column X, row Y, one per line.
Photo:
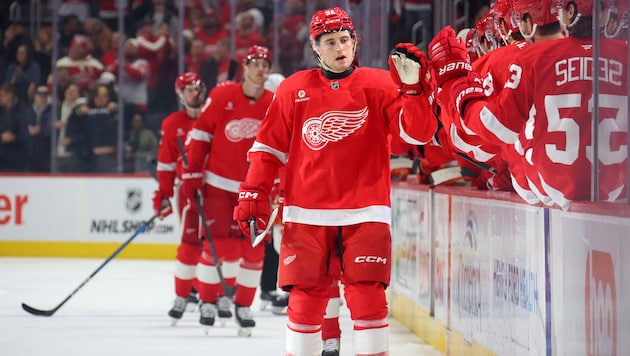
column 248, row 195
column 455, row 66
column 370, row 259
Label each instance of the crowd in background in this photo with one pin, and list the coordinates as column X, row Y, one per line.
column 88, row 82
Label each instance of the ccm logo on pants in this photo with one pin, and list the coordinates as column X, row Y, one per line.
column 370, row 259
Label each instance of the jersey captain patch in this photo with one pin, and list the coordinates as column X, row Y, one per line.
column 332, row 126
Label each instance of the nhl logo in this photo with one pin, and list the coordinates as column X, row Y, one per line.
column 134, row 200
column 334, row 85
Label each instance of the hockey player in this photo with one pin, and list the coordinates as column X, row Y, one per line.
column 329, row 127
column 548, row 106
column 217, row 163
column 191, row 92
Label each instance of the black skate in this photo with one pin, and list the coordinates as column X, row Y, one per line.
column 245, row 320
column 331, row 347
column 192, row 300
column 208, row 312
column 274, row 300
column 223, row 309
column 176, row 312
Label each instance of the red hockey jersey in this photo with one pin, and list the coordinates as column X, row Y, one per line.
column 550, row 107
column 223, row 133
column 332, row 134
column 169, row 166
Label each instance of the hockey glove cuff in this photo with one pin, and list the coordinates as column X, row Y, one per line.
column 253, row 202
column 161, row 205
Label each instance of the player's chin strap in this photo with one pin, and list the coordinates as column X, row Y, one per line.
column 561, row 17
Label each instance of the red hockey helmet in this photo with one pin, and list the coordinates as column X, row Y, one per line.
column 543, row 12
column 486, row 33
column 186, row 80
column 330, row 20
column 257, row 52
column 465, row 36
column 503, row 15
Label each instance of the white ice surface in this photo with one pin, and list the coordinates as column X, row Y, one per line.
column 122, row 311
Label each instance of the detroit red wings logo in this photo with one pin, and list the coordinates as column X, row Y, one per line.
column 237, row 130
column 332, row 126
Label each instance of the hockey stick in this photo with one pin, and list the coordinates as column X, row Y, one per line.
column 229, row 291
column 257, row 239
column 50, row 312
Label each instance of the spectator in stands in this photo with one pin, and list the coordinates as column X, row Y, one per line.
column 221, row 66
column 70, row 26
column 14, row 35
column 112, row 54
column 101, row 121
column 24, row 74
column 12, row 132
column 155, row 48
column 142, row 144
column 79, row 8
column 72, row 149
column 101, row 37
column 134, row 88
column 38, row 118
column 195, row 56
column 248, row 33
column 42, row 49
column 293, row 33
column 82, row 67
column 211, row 31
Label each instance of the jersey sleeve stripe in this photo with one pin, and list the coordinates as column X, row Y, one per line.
column 161, row 166
column 493, row 125
column 200, row 135
column 261, row 147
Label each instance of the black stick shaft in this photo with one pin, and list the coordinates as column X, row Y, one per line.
column 50, row 312
column 198, row 198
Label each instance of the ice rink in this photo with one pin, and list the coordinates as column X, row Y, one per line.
column 123, row 311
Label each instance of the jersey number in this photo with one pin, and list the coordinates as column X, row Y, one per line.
column 568, row 152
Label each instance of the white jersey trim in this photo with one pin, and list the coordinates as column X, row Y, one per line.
column 199, row 135
column 226, row 184
column 404, row 135
column 166, row 166
column 495, row 126
column 337, row 217
column 478, row 153
column 261, row 147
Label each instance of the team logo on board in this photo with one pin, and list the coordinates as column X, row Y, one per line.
column 332, row 126
column 600, row 304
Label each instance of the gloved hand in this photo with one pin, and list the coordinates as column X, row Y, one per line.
column 448, row 56
column 409, row 69
column 192, row 182
column 161, row 205
column 252, row 202
column 467, row 88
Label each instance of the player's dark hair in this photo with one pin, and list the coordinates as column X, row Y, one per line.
column 549, row 29
column 517, row 36
column 582, row 28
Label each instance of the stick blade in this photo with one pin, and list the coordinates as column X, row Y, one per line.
column 38, row 312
